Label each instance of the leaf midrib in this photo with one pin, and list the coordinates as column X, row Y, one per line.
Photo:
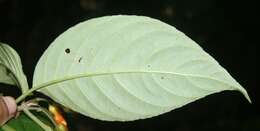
column 57, row 81
column 64, row 79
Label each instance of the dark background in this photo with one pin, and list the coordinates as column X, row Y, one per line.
column 224, row 30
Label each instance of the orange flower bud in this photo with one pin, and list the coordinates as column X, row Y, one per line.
column 58, row 118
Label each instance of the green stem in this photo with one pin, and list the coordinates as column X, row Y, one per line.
column 36, row 120
column 21, row 97
column 44, row 111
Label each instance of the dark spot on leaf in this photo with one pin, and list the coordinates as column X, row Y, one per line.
column 148, row 65
column 80, row 59
column 162, row 77
column 67, row 50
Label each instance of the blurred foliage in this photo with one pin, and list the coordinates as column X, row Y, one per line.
column 24, row 123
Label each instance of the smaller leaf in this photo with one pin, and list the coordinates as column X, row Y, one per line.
column 11, row 71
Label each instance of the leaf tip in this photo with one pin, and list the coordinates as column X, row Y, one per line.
column 244, row 92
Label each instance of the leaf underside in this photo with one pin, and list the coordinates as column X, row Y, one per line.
column 122, row 68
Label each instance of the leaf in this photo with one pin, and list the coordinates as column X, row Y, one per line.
column 6, row 77
column 122, row 68
column 24, row 123
column 11, row 71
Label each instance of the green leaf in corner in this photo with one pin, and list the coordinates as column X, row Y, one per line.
column 122, row 68
column 24, row 123
column 11, row 71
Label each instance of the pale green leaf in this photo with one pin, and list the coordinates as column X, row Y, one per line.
column 122, row 68
column 11, row 71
